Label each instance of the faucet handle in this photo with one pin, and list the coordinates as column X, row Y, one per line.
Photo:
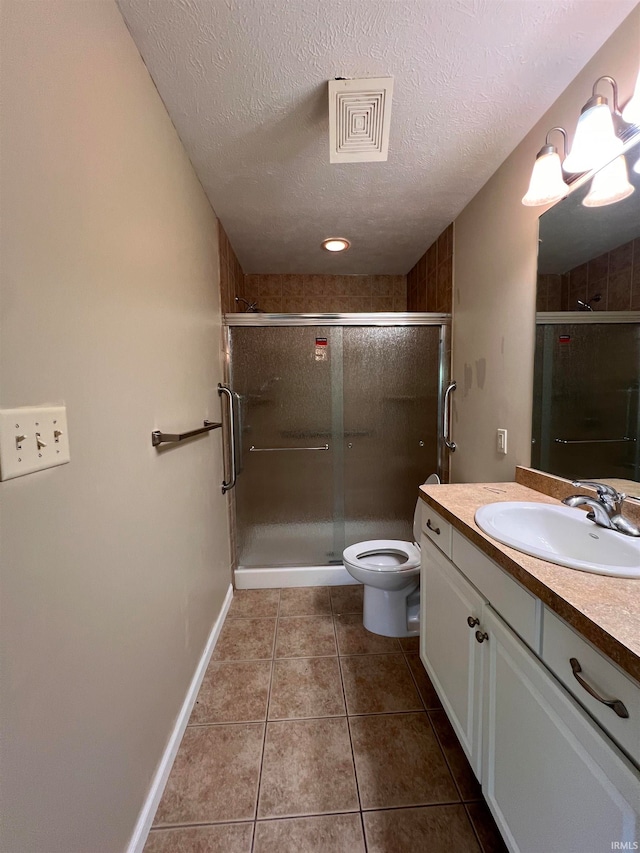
column 603, row 490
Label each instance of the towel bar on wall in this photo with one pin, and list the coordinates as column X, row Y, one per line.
column 593, row 440
column 253, row 449
column 158, row 437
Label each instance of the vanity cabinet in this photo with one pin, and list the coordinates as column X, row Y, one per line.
column 450, row 613
column 553, row 780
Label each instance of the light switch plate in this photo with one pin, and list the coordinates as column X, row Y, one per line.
column 32, row 438
column 501, row 441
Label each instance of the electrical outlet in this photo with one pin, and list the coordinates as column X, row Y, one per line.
column 501, row 441
column 32, row 438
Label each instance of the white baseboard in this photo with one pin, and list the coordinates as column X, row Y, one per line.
column 145, row 819
column 288, row 576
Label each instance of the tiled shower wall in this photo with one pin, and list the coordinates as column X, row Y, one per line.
column 615, row 275
column 430, row 282
column 299, row 294
column 231, row 274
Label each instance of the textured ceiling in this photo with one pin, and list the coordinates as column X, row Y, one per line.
column 245, row 83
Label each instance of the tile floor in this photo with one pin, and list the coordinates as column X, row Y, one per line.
column 312, row 735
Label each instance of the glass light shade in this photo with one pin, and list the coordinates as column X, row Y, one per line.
column 636, row 166
column 335, row 244
column 547, row 184
column 609, row 185
column 595, row 141
column 631, row 112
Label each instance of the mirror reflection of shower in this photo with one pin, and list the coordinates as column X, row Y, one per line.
column 250, row 307
column 586, row 413
column 586, row 306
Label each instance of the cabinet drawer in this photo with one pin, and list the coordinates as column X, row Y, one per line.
column 516, row 605
column 437, row 529
column 560, row 643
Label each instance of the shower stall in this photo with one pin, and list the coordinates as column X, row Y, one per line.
column 586, row 412
column 337, row 424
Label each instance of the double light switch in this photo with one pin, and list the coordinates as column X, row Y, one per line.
column 32, row 438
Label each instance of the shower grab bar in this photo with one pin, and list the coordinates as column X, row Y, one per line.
column 253, row 449
column 450, row 445
column 593, row 440
column 227, row 486
column 158, row 437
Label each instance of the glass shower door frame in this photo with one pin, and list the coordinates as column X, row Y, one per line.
column 442, row 321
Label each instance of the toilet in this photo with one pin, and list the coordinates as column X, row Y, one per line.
column 390, row 572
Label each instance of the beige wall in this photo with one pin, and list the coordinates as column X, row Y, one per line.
column 495, row 284
column 114, row 567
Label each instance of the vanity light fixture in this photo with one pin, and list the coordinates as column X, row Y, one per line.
column 609, row 185
column 595, row 141
column 547, row 184
column 335, row 244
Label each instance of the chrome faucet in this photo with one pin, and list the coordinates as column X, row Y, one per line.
column 606, row 509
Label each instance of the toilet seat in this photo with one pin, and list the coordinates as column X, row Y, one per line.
column 383, row 555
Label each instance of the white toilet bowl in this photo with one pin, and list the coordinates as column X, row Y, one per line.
column 390, row 572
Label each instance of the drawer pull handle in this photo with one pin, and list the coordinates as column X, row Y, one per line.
column 436, row 530
column 615, row 704
column 472, row 621
column 481, row 636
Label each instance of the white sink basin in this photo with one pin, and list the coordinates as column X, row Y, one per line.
column 562, row 535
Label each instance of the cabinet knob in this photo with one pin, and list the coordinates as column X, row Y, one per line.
column 472, row 621
column 435, row 530
column 481, row 636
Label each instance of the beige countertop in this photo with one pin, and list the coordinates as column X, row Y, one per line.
column 604, row 609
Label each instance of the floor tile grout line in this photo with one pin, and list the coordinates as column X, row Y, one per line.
column 353, row 757
column 415, row 680
column 412, row 806
column 423, row 700
column 271, row 818
column 473, row 827
column 444, row 755
column 264, row 737
column 166, row 826
column 264, row 743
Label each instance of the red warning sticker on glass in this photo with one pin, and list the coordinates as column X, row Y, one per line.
column 564, row 339
column 321, row 349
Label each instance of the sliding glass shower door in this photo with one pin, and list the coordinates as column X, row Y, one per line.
column 338, row 427
column 391, row 385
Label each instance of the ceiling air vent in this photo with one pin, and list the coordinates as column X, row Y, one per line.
column 359, row 119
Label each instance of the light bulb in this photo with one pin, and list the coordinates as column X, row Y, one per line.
column 335, row 244
column 595, row 142
column 547, row 184
column 609, row 185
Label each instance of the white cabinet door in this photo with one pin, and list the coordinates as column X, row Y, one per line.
column 551, row 780
column 448, row 648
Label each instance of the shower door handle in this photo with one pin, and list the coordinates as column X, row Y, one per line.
column 231, row 432
column 450, row 445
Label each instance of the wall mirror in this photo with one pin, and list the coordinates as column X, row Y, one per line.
column 586, row 405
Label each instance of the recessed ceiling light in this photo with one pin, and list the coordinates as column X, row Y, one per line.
column 335, row 244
